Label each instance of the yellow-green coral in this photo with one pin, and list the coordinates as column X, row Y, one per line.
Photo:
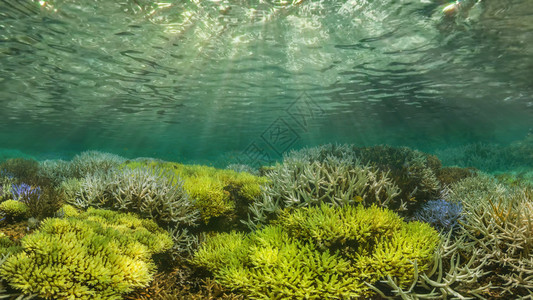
column 68, row 211
column 213, row 189
column 268, row 264
column 377, row 240
column 394, row 256
column 97, row 255
column 7, row 246
column 326, row 225
column 320, row 253
column 12, row 209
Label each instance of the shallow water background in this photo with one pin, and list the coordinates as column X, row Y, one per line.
column 213, row 81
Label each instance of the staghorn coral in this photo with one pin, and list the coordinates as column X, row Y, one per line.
column 298, row 183
column 91, row 162
column 151, row 192
column 56, row 171
column 495, row 242
column 23, row 190
column 330, row 227
column 98, row 255
column 154, row 194
column 184, row 243
column 41, row 203
column 414, row 172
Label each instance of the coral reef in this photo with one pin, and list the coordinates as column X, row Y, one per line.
column 414, row 172
column 97, row 255
column 22, row 169
column 7, row 246
column 269, row 264
column 182, row 283
column 327, row 222
column 378, row 241
column 498, row 223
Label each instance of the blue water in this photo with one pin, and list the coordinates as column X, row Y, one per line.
column 216, row 81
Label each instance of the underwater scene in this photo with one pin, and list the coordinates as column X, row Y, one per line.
column 266, row 149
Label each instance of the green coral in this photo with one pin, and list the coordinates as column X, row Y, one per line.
column 99, row 254
column 14, row 210
column 379, row 242
column 268, row 264
column 320, row 252
column 332, row 227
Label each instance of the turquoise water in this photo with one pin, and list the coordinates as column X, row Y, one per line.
column 208, row 81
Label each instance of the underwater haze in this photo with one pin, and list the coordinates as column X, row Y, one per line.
column 216, row 81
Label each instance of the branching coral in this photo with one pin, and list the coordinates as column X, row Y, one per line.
column 216, row 192
column 441, row 214
column 21, row 169
column 498, row 230
column 97, row 255
column 91, row 162
column 268, row 264
column 151, row 192
column 412, row 171
column 320, row 253
column 376, row 239
column 56, row 171
column 299, row 183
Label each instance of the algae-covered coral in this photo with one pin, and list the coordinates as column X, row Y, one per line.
column 98, row 254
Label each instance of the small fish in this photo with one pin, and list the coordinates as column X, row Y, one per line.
column 358, row 199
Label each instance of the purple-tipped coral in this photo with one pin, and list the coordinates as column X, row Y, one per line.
column 24, row 191
column 440, row 214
